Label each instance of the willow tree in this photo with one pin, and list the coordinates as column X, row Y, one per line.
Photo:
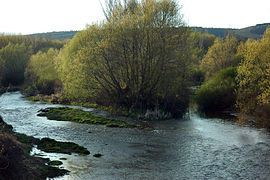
column 76, row 65
column 41, row 74
column 254, row 75
column 138, row 58
column 221, row 54
column 13, row 60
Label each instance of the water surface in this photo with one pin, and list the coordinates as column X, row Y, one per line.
column 192, row 148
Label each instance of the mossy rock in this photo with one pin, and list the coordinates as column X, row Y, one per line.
column 55, row 163
column 23, row 138
column 80, row 116
column 52, row 172
column 52, row 146
column 98, row 155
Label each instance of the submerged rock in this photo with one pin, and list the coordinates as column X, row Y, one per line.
column 97, row 155
column 53, row 146
column 55, row 163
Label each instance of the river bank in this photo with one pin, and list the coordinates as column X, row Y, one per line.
column 15, row 159
column 15, row 150
column 58, row 99
column 111, row 111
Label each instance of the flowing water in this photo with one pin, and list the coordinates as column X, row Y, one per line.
column 192, row 148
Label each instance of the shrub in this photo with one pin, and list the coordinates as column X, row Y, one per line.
column 41, row 74
column 218, row 93
column 220, row 55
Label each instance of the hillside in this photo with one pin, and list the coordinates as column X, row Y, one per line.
column 249, row 32
column 61, row 35
column 244, row 33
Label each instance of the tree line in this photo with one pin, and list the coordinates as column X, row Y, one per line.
column 15, row 52
column 143, row 57
column 237, row 77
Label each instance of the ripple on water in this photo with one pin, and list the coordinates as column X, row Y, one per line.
column 198, row 148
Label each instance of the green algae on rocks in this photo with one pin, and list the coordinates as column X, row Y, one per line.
column 52, row 146
column 80, row 116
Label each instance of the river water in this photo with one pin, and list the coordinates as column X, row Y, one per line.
column 191, row 148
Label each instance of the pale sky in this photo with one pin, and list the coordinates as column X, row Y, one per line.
column 33, row 16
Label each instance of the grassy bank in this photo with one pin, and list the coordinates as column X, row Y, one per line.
column 16, row 162
column 57, row 99
column 80, row 116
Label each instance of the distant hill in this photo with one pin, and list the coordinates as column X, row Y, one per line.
column 249, row 32
column 254, row 32
column 60, row 35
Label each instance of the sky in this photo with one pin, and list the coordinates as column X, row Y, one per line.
column 33, row 16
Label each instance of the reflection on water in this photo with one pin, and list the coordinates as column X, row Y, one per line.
column 194, row 148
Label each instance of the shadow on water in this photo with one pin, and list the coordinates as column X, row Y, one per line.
column 194, row 148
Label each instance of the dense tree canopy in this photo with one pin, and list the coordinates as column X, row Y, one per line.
column 15, row 51
column 138, row 58
column 36, row 44
column 202, row 42
column 13, row 60
column 219, row 92
column 41, row 73
column 221, row 54
column 142, row 57
column 254, row 74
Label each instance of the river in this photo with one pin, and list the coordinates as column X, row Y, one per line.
column 191, row 148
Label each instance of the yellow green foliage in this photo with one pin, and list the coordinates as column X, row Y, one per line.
column 77, row 63
column 219, row 92
column 41, row 71
column 254, row 74
column 221, row 54
column 43, row 65
column 36, row 44
column 13, row 60
column 15, row 51
column 201, row 43
column 138, row 58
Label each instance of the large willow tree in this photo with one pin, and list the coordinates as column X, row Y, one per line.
column 138, row 58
